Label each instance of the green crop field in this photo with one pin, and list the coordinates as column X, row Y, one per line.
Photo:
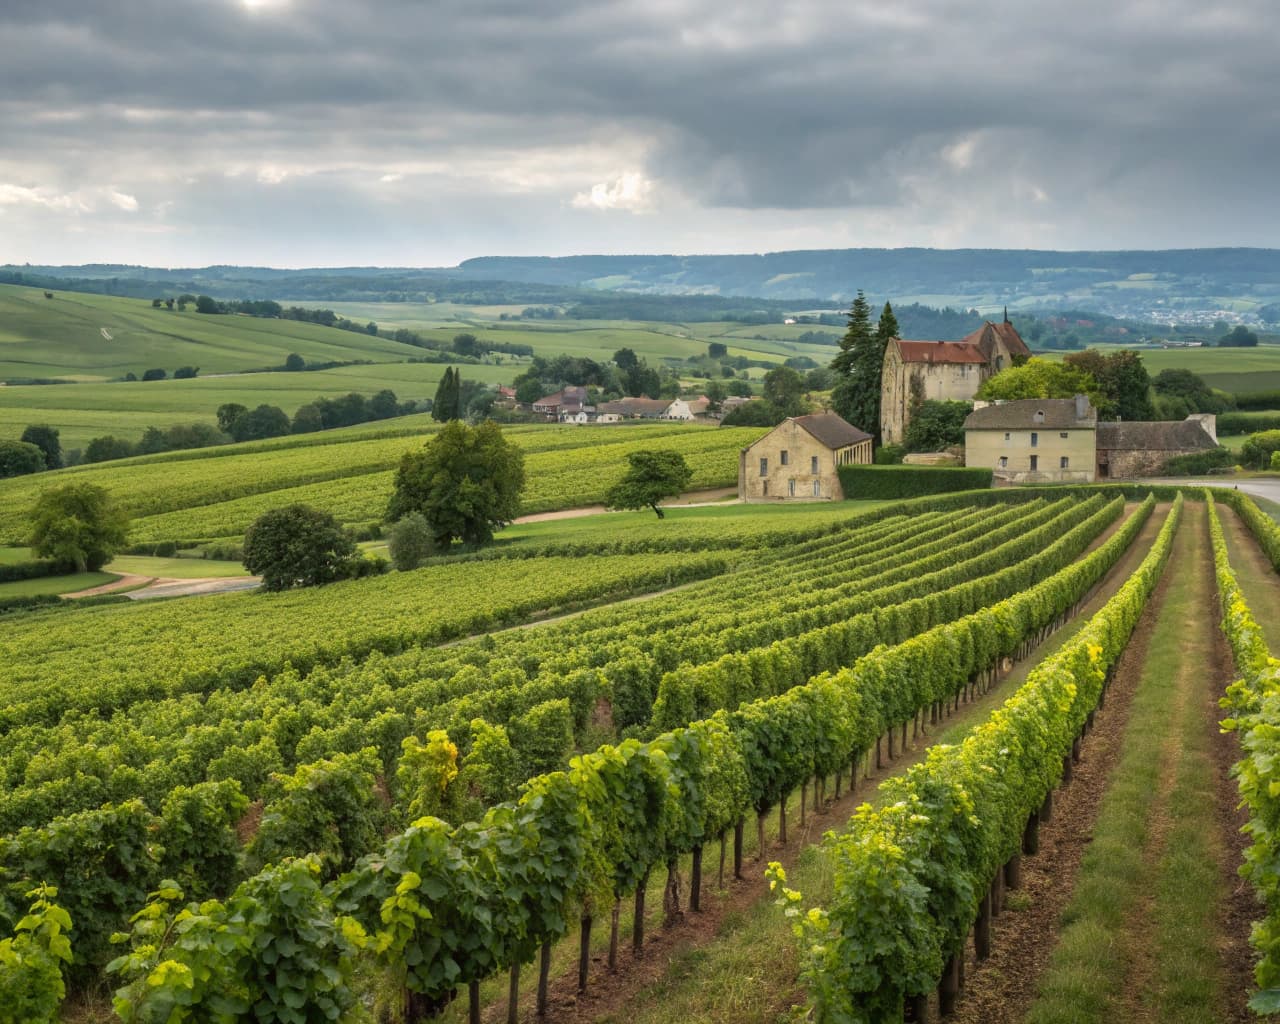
column 217, row 492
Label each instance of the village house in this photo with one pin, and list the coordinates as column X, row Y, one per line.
column 798, row 459
column 916, row 371
column 1061, row 440
column 1038, row 441
column 632, row 409
column 687, row 408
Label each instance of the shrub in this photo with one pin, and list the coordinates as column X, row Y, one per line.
column 1256, row 451
column 409, row 541
column 1237, row 423
column 890, row 454
column 885, row 482
column 1200, row 462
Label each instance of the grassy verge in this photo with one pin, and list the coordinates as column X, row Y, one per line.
column 175, row 568
column 1140, row 931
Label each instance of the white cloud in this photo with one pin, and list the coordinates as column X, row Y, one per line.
column 123, row 200
column 271, row 174
column 632, row 191
column 20, row 195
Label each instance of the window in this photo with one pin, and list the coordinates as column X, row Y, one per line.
column 1035, row 439
column 1035, row 462
column 1063, row 435
column 782, row 458
column 999, row 363
column 764, row 467
column 1004, row 462
column 1039, row 416
column 817, row 488
column 765, row 490
column 813, row 465
column 1063, row 462
column 1007, row 436
column 791, row 488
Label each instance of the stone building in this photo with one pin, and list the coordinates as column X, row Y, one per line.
column 1136, row 448
column 916, row 371
column 1038, row 441
column 798, row 459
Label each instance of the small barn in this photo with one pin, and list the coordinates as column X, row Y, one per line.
column 798, row 459
column 1138, row 448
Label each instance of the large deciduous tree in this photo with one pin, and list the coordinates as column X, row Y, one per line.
column 1039, row 378
column 466, row 482
column 78, row 526
column 46, row 439
column 653, row 475
column 298, row 546
column 1122, row 381
column 18, row 458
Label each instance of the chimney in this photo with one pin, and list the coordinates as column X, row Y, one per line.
column 1082, row 406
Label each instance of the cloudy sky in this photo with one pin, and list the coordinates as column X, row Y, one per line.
column 403, row 132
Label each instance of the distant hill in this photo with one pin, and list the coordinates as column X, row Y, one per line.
column 1164, row 286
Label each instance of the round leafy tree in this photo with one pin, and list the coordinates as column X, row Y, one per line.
column 653, row 476
column 46, row 439
column 18, row 458
column 78, row 527
column 297, row 546
column 466, row 483
column 409, row 541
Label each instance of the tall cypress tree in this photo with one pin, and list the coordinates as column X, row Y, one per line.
column 856, row 395
column 445, row 405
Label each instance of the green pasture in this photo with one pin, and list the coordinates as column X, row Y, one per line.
column 97, row 337
column 84, row 411
column 55, row 584
column 1231, row 369
column 175, row 568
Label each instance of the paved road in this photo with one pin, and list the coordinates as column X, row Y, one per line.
column 1259, row 486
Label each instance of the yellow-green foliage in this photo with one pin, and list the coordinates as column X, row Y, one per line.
column 1253, row 703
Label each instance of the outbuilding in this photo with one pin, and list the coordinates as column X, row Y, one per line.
column 798, row 459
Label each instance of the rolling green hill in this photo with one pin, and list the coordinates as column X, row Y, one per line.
column 98, row 337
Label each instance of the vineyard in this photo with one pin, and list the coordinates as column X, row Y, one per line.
column 379, row 801
column 217, row 492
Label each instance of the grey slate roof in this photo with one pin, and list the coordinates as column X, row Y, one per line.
column 1179, row 435
column 1059, row 414
column 831, row 430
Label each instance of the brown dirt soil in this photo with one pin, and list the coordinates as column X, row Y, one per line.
column 1001, row 990
column 608, row 995
column 124, row 580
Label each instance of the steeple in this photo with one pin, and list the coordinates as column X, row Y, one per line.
column 1006, row 314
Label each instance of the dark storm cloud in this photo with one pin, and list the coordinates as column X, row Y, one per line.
column 988, row 122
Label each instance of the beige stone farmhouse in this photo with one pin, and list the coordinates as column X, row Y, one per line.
column 1039, row 441
column 916, row 371
column 1061, row 440
column 799, row 457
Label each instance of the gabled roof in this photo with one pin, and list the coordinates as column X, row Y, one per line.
column 1059, row 414
column 1180, row 435
column 940, row 352
column 985, row 337
column 831, row 430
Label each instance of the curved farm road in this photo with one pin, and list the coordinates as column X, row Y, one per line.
column 142, row 588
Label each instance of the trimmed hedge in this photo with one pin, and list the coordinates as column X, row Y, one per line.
column 33, row 570
column 881, row 482
column 1230, row 423
column 1259, row 400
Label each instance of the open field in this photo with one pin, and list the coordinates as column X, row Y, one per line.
column 94, row 337
column 1229, row 369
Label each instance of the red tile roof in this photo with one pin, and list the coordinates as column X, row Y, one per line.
column 940, row 352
